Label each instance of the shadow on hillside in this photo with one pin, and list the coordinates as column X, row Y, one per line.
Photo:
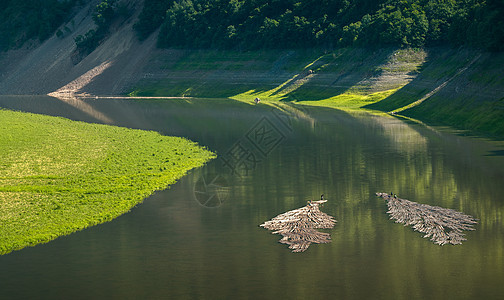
column 455, row 87
column 407, row 94
column 338, row 72
column 301, row 75
column 435, row 76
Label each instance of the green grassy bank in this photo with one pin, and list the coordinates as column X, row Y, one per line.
column 58, row 176
column 460, row 88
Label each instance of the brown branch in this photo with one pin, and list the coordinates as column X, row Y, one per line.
column 442, row 225
column 298, row 226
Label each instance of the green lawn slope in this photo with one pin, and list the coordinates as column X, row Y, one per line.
column 58, row 176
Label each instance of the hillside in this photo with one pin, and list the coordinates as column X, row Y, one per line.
column 457, row 87
column 463, row 88
column 50, row 65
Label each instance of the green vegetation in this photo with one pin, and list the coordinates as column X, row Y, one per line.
column 266, row 24
column 27, row 19
column 350, row 100
column 152, row 16
column 347, row 77
column 459, row 88
column 462, row 89
column 346, row 101
column 103, row 15
column 59, row 176
column 277, row 24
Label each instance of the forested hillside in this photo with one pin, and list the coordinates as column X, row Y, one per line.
column 259, row 24
column 282, row 24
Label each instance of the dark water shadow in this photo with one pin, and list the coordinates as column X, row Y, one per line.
column 206, row 121
column 495, row 153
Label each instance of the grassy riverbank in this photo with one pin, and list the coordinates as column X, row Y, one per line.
column 58, row 176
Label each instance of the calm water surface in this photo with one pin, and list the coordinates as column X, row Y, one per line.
column 172, row 246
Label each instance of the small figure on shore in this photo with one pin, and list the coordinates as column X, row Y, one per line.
column 322, row 197
column 395, row 196
column 257, row 100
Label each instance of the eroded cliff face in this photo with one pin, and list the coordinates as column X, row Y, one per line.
column 52, row 64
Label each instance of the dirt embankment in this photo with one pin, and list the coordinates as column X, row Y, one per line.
column 48, row 67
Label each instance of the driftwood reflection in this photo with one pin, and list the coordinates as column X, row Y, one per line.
column 442, row 225
column 298, row 226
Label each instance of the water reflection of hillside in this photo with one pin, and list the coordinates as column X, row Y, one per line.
column 84, row 107
column 401, row 136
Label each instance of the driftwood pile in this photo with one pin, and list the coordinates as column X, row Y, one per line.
column 298, row 226
column 442, row 225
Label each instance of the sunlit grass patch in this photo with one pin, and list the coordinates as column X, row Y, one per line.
column 252, row 94
column 58, row 176
column 347, row 100
column 350, row 100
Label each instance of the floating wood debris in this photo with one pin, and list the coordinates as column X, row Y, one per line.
column 298, row 226
column 442, row 225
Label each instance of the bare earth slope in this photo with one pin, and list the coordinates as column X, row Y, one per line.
column 49, row 66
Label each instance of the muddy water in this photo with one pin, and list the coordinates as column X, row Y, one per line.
column 200, row 238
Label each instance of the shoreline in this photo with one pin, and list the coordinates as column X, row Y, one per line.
column 65, row 176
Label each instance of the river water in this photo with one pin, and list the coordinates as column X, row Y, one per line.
column 200, row 238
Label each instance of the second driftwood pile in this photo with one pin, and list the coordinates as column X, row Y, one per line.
column 442, row 225
column 298, row 226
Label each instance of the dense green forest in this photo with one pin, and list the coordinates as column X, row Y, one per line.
column 30, row 19
column 255, row 24
column 268, row 24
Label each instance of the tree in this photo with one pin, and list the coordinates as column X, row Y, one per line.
column 152, row 16
column 309, row 23
column 104, row 13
